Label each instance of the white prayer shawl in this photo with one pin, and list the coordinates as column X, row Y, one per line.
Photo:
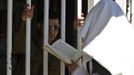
column 109, row 38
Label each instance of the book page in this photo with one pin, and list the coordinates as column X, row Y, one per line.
column 56, row 53
column 67, row 50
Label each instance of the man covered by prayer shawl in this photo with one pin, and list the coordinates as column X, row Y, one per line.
column 108, row 38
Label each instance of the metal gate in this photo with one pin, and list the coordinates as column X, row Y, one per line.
column 46, row 30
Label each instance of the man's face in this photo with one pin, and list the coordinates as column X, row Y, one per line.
column 53, row 29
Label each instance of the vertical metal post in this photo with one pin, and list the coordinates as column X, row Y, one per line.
column 28, row 40
column 63, row 19
column 9, row 36
column 79, row 11
column 133, row 12
column 63, row 12
column 45, row 55
column 130, row 11
column 90, row 4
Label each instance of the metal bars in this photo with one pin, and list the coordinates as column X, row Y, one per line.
column 28, row 40
column 9, row 37
column 28, row 36
column 45, row 55
column 63, row 12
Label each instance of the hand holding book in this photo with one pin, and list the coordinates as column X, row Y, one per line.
column 63, row 51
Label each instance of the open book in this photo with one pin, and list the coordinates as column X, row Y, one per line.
column 63, row 51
